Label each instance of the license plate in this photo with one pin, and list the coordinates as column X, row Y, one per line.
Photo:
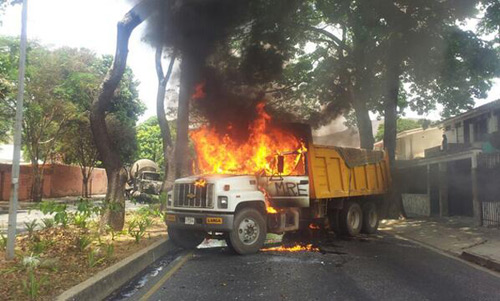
column 189, row 220
column 214, row 220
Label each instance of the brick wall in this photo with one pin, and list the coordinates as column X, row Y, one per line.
column 59, row 180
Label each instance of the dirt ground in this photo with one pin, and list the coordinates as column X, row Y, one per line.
column 68, row 256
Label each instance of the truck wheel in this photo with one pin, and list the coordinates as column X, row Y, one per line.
column 249, row 231
column 351, row 219
column 370, row 218
column 186, row 239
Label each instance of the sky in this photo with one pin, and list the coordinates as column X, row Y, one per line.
column 77, row 23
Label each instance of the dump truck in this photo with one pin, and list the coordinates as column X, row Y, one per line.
column 144, row 177
column 340, row 188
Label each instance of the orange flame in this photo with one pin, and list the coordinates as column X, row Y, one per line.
column 200, row 183
column 314, row 226
column 296, row 248
column 222, row 154
column 199, row 91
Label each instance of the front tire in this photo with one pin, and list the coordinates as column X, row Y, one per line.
column 249, row 232
column 186, row 239
column 370, row 218
column 351, row 219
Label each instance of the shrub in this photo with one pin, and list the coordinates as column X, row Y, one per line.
column 48, row 222
column 31, row 226
column 83, row 242
column 93, row 258
column 40, row 247
column 31, row 285
column 137, row 228
column 3, row 242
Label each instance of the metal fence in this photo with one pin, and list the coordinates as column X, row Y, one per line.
column 491, row 214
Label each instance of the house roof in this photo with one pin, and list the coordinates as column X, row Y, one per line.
column 474, row 112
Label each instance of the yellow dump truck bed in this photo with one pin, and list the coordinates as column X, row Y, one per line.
column 338, row 172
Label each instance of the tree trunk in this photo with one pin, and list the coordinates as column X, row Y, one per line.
column 181, row 152
column 115, row 212
column 36, row 186
column 161, row 115
column 85, row 181
column 394, row 204
column 364, row 123
column 391, row 109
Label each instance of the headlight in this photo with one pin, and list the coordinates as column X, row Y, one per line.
column 222, row 202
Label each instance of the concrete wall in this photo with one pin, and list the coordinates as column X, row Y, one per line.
column 416, row 204
column 59, row 180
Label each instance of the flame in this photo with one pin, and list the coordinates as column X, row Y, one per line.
column 296, row 248
column 223, row 154
column 200, row 183
column 314, row 226
column 199, row 91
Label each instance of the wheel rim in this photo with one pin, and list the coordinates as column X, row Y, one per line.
column 372, row 218
column 248, row 231
column 354, row 219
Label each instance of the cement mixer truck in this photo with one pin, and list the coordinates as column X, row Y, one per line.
column 144, row 177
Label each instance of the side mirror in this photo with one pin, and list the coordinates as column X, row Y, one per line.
column 281, row 164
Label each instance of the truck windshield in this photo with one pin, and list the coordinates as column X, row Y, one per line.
column 151, row 176
column 294, row 162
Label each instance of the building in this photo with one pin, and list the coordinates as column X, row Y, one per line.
column 458, row 177
column 411, row 144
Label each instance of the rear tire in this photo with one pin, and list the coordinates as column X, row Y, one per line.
column 249, row 232
column 370, row 218
column 186, row 239
column 351, row 219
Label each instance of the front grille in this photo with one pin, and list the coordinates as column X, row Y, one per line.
column 192, row 196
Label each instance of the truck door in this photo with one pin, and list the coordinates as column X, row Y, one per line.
column 288, row 191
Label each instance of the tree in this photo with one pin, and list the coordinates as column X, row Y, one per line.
column 46, row 111
column 85, row 72
column 149, row 140
column 78, row 147
column 166, row 136
column 114, row 215
column 8, row 73
column 368, row 51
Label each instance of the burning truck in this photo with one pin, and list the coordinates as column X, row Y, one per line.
column 273, row 181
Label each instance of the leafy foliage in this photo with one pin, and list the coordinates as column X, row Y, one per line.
column 149, row 140
column 402, row 125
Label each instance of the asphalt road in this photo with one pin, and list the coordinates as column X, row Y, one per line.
column 371, row 268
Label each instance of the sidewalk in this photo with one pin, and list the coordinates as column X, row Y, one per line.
column 24, row 205
column 453, row 235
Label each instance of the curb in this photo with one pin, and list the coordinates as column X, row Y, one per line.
column 480, row 260
column 102, row 284
column 471, row 259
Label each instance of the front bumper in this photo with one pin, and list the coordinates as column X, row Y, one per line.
column 202, row 221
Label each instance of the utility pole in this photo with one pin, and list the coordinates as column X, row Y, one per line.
column 11, row 240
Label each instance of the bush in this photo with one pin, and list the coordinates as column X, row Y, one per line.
column 31, row 226
column 137, row 228
column 83, row 242
column 48, row 222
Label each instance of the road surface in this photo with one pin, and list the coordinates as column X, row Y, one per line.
column 370, row 268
